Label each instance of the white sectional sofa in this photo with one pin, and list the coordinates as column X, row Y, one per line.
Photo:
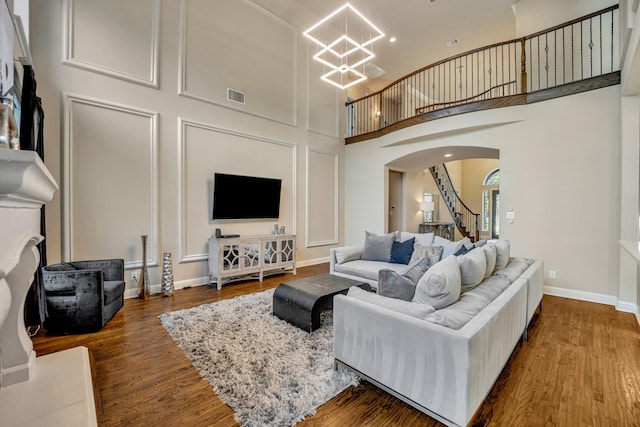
column 346, row 261
column 442, row 361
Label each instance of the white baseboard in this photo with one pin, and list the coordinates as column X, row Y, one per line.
column 624, row 306
column 308, row 262
column 181, row 284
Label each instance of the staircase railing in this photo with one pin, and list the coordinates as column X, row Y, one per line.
column 577, row 50
column 467, row 222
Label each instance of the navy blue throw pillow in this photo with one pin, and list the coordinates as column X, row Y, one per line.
column 401, row 251
column 463, row 250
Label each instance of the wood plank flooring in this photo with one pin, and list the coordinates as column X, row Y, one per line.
column 580, row 367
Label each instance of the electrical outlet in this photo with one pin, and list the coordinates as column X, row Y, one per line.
column 552, row 274
column 134, row 275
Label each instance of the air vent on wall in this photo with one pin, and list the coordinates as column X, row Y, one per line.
column 235, row 96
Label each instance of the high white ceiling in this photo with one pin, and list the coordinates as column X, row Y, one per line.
column 422, row 29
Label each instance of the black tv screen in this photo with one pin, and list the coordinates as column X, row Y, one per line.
column 245, row 197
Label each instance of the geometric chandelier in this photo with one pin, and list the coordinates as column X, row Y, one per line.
column 344, row 39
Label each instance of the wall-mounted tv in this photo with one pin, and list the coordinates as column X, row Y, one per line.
column 245, row 197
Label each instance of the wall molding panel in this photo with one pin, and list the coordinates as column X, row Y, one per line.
column 310, row 211
column 73, row 144
column 184, row 125
column 270, row 71
column 314, row 81
column 73, row 58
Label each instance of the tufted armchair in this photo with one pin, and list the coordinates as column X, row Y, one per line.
column 82, row 296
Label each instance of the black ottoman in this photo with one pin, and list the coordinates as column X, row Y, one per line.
column 301, row 301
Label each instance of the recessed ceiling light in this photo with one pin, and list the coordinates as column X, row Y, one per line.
column 393, row 40
column 448, row 155
column 453, row 42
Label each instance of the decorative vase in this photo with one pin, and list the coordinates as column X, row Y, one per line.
column 167, row 275
column 144, row 285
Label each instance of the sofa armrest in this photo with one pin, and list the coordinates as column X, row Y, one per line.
column 415, row 358
column 112, row 269
column 68, row 289
column 344, row 252
column 447, row 372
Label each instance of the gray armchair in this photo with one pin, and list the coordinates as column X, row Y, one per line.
column 82, row 296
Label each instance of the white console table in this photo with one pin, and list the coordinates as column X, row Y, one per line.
column 239, row 258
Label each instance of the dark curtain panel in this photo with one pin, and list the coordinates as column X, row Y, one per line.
column 31, row 138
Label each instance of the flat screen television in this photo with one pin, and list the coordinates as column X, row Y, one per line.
column 245, row 197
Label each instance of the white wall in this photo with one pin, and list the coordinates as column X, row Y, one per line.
column 556, row 158
column 137, row 122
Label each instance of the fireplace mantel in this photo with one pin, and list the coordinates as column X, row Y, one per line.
column 25, row 185
column 58, row 384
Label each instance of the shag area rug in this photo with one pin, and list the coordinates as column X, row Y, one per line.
column 268, row 371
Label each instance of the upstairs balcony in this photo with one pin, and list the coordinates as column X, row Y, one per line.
column 574, row 57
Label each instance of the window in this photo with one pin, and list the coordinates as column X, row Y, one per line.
column 491, row 180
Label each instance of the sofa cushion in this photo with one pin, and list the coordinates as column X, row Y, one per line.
column 401, row 286
column 401, row 251
column 378, row 247
column 502, row 253
column 63, row 266
column 405, row 307
column 433, row 254
column 450, row 247
column 514, row 269
column 440, row 285
column 425, row 239
column 480, row 243
column 470, row 304
column 347, row 253
column 490, row 254
column 112, row 290
column 367, row 269
column 473, row 266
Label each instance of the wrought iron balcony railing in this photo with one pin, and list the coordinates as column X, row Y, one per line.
column 573, row 52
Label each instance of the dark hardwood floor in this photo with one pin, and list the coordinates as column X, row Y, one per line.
column 580, row 367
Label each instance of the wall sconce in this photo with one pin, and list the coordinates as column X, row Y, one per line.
column 378, row 114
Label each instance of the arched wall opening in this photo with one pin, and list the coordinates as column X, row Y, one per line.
column 467, row 167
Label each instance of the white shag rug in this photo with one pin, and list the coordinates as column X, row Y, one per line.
column 268, row 371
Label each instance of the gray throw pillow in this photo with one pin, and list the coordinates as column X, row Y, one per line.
column 378, row 248
column 440, row 285
column 502, row 253
column 419, row 311
column 401, row 286
column 431, row 253
column 490, row 254
column 473, row 266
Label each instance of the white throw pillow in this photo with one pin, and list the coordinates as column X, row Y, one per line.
column 440, row 285
column 348, row 253
column 450, row 247
column 490, row 254
column 503, row 248
column 424, row 239
column 473, row 266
